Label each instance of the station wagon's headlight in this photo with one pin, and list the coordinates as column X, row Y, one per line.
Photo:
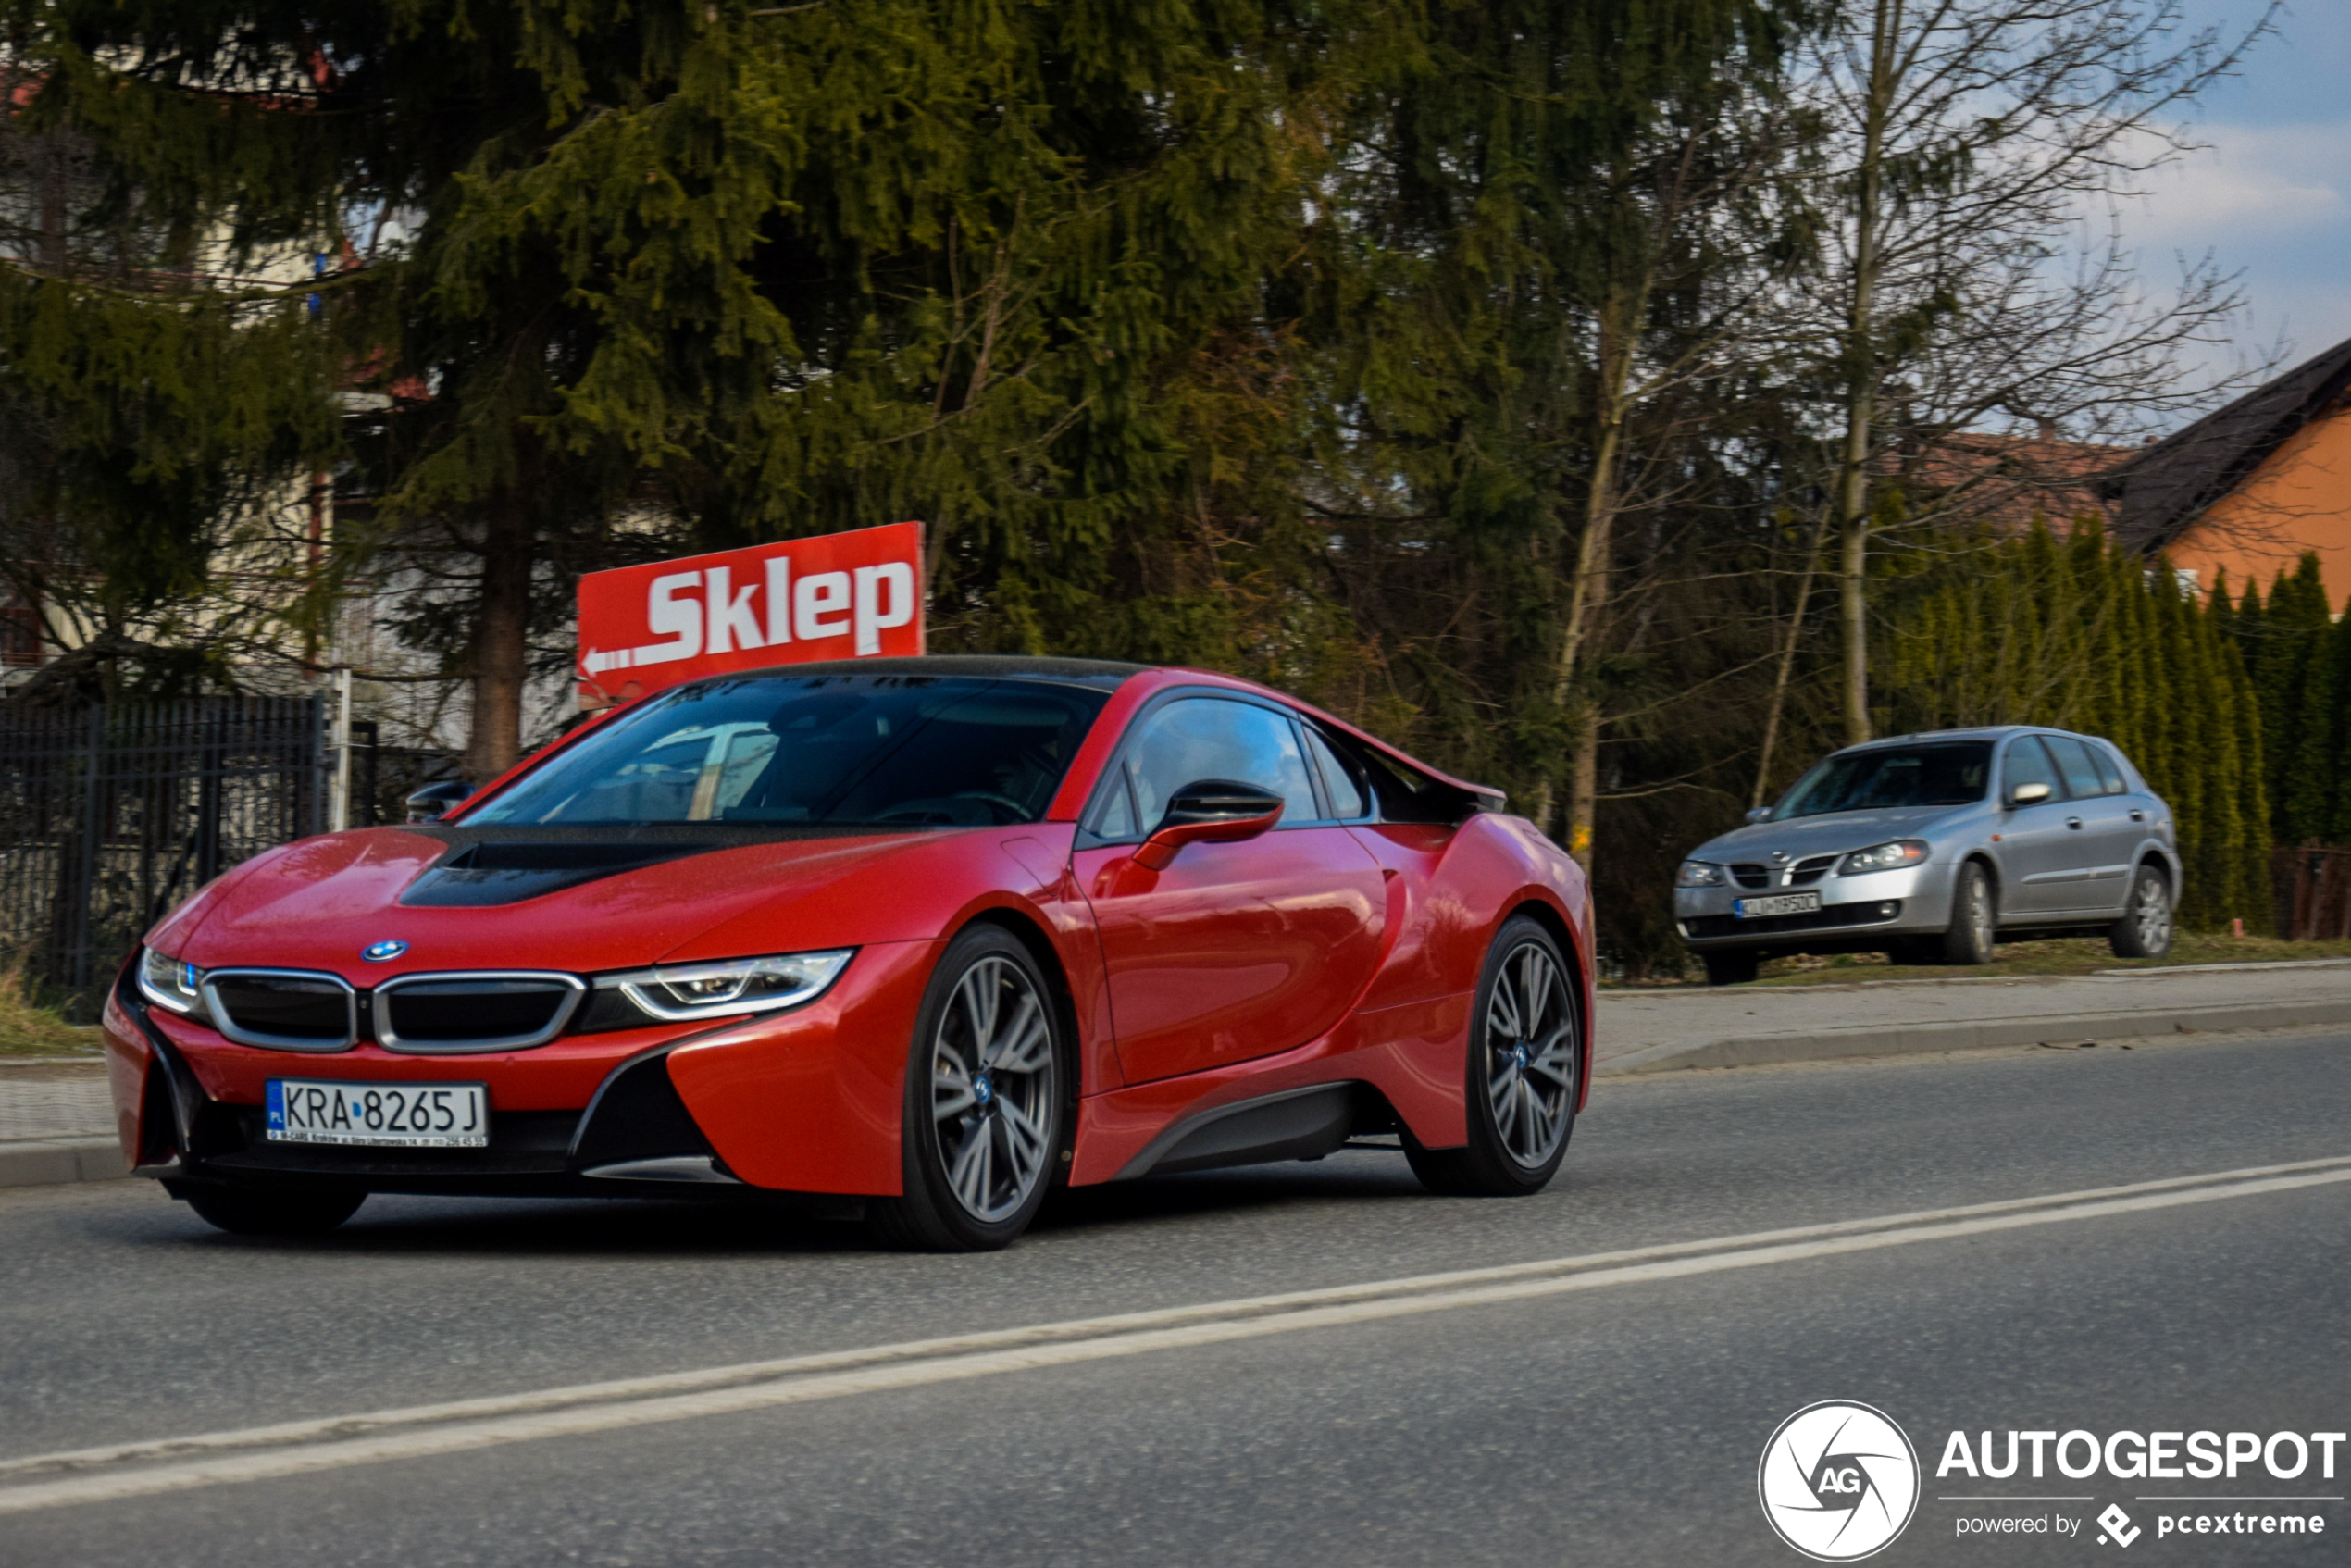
column 168, row 982
column 1697, row 874
column 1884, row 857
column 678, row 992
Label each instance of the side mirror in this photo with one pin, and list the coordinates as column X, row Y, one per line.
column 1213, row 811
column 434, row 801
column 2028, row 795
column 1760, row 814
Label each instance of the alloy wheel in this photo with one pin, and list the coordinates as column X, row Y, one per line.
column 1531, row 1054
column 991, row 1089
column 1979, row 913
column 2152, row 914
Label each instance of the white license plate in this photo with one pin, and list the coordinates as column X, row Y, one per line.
column 415, row 1115
column 1778, row 903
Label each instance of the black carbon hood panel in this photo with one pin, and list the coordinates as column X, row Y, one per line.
column 488, row 866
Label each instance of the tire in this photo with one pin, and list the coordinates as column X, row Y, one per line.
column 242, row 1213
column 1975, row 917
column 988, row 1080
column 1524, row 1068
column 1734, row 966
column 2145, row 931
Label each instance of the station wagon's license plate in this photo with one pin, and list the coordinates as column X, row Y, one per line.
column 414, row 1115
column 1777, row 903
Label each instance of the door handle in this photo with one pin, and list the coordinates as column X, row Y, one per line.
column 2073, row 822
column 2138, row 816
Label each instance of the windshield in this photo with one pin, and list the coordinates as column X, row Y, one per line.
column 1952, row 773
column 895, row 751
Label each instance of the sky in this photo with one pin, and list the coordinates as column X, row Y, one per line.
column 2271, row 197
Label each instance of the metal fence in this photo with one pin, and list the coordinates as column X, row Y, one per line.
column 110, row 815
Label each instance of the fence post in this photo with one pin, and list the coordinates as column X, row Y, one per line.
column 85, row 870
column 316, row 769
column 339, row 805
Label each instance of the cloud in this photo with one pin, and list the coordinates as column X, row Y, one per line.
column 2253, row 183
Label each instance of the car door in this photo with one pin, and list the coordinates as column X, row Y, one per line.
column 1235, row 949
column 2105, row 836
column 2042, row 871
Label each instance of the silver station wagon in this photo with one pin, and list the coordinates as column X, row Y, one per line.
column 1930, row 848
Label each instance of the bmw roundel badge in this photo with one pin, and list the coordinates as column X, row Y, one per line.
column 383, row 951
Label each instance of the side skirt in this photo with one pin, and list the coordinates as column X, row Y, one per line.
column 1298, row 1124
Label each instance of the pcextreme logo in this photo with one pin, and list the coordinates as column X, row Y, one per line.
column 1838, row 1481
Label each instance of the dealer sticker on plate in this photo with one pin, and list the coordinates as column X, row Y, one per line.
column 415, row 1115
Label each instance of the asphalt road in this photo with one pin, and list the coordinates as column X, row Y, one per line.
column 1618, row 1423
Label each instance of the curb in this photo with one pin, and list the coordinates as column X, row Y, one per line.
column 1756, row 1051
column 53, row 1161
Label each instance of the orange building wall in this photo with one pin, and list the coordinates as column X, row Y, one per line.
column 2299, row 498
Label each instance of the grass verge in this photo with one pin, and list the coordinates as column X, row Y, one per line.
column 27, row 1029
column 2067, row 955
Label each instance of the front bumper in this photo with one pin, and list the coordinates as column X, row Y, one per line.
column 804, row 1102
column 1856, row 913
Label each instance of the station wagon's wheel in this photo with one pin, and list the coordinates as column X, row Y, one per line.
column 1975, row 917
column 986, row 1109
column 1526, row 1068
column 2145, row 931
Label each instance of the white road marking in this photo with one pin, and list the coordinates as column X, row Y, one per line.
column 302, row 1448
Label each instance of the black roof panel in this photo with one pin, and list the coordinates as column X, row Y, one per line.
column 1106, row 674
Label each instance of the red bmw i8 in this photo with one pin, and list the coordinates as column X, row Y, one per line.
column 920, row 937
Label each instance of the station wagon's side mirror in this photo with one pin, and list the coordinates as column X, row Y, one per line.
column 434, row 801
column 1212, row 811
column 2028, row 794
column 1759, row 813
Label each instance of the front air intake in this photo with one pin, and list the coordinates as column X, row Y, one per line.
column 488, row 1010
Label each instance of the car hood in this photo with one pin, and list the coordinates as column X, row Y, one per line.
column 530, row 898
column 1831, row 833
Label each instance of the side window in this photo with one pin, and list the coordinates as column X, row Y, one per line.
column 2028, row 764
column 1115, row 817
column 1197, row 738
column 2081, row 780
column 1339, row 781
column 2109, row 770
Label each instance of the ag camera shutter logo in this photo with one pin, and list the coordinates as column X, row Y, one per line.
column 1838, row 1481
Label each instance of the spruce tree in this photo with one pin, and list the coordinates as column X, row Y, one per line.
column 1554, row 201
column 636, row 277
column 150, row 414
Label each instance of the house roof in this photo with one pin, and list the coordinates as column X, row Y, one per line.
column 2163, row 488
column 2012, row 481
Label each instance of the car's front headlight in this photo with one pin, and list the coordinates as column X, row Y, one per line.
column 1698, row 874
column 169, row 982
column 1884, row 857
column 680, row 991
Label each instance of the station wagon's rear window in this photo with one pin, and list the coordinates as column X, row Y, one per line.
column 1944, row 773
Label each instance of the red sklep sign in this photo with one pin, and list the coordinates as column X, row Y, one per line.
column 836, row 596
